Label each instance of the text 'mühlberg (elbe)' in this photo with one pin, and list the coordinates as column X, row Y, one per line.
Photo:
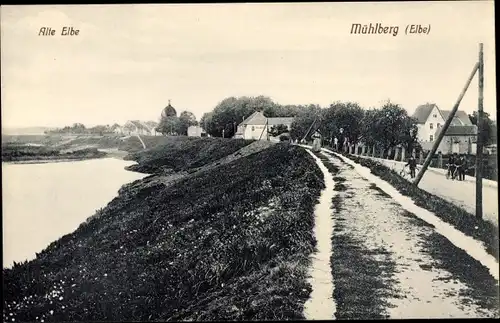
column 378, row 28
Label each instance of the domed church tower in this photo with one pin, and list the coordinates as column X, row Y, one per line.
column 169, row 111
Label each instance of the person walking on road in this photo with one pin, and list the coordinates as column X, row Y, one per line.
column 316, row 141
column 462, row 164
column 458, row 163
column 412, row 162
column 451, row 166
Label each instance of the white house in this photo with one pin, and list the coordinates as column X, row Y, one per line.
column 117, row 129
column 430, row 119
column 196, row 131
column 257, row 126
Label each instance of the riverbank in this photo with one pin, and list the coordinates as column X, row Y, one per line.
column 229, row 238
column 28, row 149
column 34, row 153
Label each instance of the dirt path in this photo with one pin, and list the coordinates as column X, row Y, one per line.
column 320, row 305
column 388, row 263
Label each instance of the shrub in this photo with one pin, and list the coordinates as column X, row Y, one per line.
column 284, row 137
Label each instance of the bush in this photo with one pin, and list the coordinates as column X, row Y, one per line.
column 284, row 138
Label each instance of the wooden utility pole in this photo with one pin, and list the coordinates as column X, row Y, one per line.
column 307, row 133
column 265, row 129
column 479, row 146
column 445, row 127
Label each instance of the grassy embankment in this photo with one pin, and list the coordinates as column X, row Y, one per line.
column 463, row 221
column 183, row 154
column 229, row 243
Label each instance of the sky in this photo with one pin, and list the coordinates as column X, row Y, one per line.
column 127, row 61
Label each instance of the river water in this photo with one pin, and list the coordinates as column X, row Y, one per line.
column 43, row 202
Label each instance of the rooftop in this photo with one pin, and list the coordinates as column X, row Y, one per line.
column 460, row 118
column 422, row 112
column 258, row 118
column 461, row 131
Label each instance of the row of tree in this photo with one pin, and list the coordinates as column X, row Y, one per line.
column 386, row 127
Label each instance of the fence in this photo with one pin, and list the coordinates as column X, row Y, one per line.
column 490, row 163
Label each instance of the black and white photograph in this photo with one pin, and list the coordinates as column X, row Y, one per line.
column 249, row 161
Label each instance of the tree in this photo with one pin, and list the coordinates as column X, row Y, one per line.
column 347, row 116
column 389, row 127
column 277, row 130
column 186, row 119
column 308, row 119
column 369, row 118
column 206, row 122
column 168, row 125
column 488, row 134
column 98, row 130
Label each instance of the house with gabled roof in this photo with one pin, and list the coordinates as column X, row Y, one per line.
column 459, row 137
column 429, row 118
column 257, row 126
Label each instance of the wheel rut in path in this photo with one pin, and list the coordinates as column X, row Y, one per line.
column 321, row 305
column 387, row 263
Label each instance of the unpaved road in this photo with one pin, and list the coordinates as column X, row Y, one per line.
column 387, row 263
column 460, row 193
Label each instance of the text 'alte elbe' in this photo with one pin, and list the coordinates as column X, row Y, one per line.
column 66, row 31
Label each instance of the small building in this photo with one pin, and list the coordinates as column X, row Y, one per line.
column 196, row 131
column 459, row 139
column 117, row 129
column 430, row 118
column 257, row 126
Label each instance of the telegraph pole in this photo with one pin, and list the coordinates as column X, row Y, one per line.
column 479, row 146
column 445, row 127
